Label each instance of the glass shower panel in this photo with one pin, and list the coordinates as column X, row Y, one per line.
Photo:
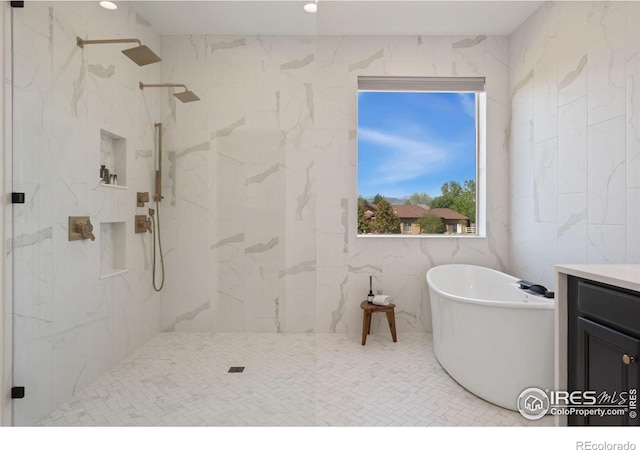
column 53, row 296
column 33, row 226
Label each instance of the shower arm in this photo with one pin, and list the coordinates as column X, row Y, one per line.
column 144, row 85
column 158, row 196
column 81, row 42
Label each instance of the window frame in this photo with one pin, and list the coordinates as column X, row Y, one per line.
column 476, row 85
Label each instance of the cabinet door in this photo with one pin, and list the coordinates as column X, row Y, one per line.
column 601, row 368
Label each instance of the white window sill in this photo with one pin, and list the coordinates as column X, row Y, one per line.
column 421, row 236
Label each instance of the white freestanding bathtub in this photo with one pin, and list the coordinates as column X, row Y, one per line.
column 492, row 337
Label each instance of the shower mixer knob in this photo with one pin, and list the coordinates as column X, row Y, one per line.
column 85, row 230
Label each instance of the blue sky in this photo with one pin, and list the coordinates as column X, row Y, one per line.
column 414, row 141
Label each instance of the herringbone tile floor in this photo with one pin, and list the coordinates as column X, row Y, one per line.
column 182, row 379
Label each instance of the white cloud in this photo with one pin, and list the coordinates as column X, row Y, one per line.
column 468, row 104
column 405, row 158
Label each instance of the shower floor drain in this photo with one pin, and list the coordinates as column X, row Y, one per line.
column 236, row 369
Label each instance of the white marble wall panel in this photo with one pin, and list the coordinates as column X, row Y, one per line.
column 465, row 59
column 633, row 225
column 606, row 173
column 299, row 310
column 573, row 55
column 70, row 359
column 77, row 324
column 572, row 228
column 633, row 133
column 521, row 188
column 71, row 180
column 633, row 96
column 69, row 62
column 99, row 359
column 545, row 176
column 33, row 279
column 262, row 292
column 607, row 244
column 434, row 55
column 333, row 102
column 584, row 198
column 300, row 221
column 107, row 248
column 335, row 303
column 194, row 310
column 606, row 37
column 186, row 221
column 572, row 142
column 545, row 99
column 34, row 164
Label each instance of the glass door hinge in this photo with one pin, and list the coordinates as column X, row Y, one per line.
column 17, row 392
column 17, row 197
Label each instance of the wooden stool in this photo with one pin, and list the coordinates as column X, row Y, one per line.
column 369, row 309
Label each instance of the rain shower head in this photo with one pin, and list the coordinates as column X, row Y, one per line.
column 185, row 97
column 141, row 54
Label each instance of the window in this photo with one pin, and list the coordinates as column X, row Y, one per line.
column 420, row 144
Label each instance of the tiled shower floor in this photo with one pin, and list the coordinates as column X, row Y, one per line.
column 182, row 379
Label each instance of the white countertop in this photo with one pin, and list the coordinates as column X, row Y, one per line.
column 622, row 275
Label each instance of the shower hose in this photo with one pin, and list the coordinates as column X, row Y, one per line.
column 156, row 228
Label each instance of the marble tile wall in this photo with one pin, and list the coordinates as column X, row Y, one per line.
column 575, row 140
column 260, row 190
column 70, row 325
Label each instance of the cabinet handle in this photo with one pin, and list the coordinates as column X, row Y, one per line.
column 628, row 359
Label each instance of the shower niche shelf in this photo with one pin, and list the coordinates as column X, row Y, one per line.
column 113, row 255
column 113, row 155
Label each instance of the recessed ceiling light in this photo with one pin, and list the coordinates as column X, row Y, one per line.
column 108, row 5
column 311, row 7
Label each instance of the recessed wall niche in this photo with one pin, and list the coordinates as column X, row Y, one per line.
column 113, row 156
column 113, row 249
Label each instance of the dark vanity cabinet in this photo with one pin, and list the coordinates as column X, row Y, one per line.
column 603, row 348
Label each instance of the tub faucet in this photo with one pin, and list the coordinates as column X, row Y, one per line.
column 535, row 288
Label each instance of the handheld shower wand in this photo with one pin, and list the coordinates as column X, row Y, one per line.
column 158, row 195
column 158, row 198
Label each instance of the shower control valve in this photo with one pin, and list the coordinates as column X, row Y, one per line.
column 142, row 198
column 80, row 228
column 143, row 224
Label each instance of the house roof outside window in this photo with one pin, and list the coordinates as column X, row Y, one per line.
column 412, row 212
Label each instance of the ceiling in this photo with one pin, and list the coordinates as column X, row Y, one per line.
column 337, row 17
